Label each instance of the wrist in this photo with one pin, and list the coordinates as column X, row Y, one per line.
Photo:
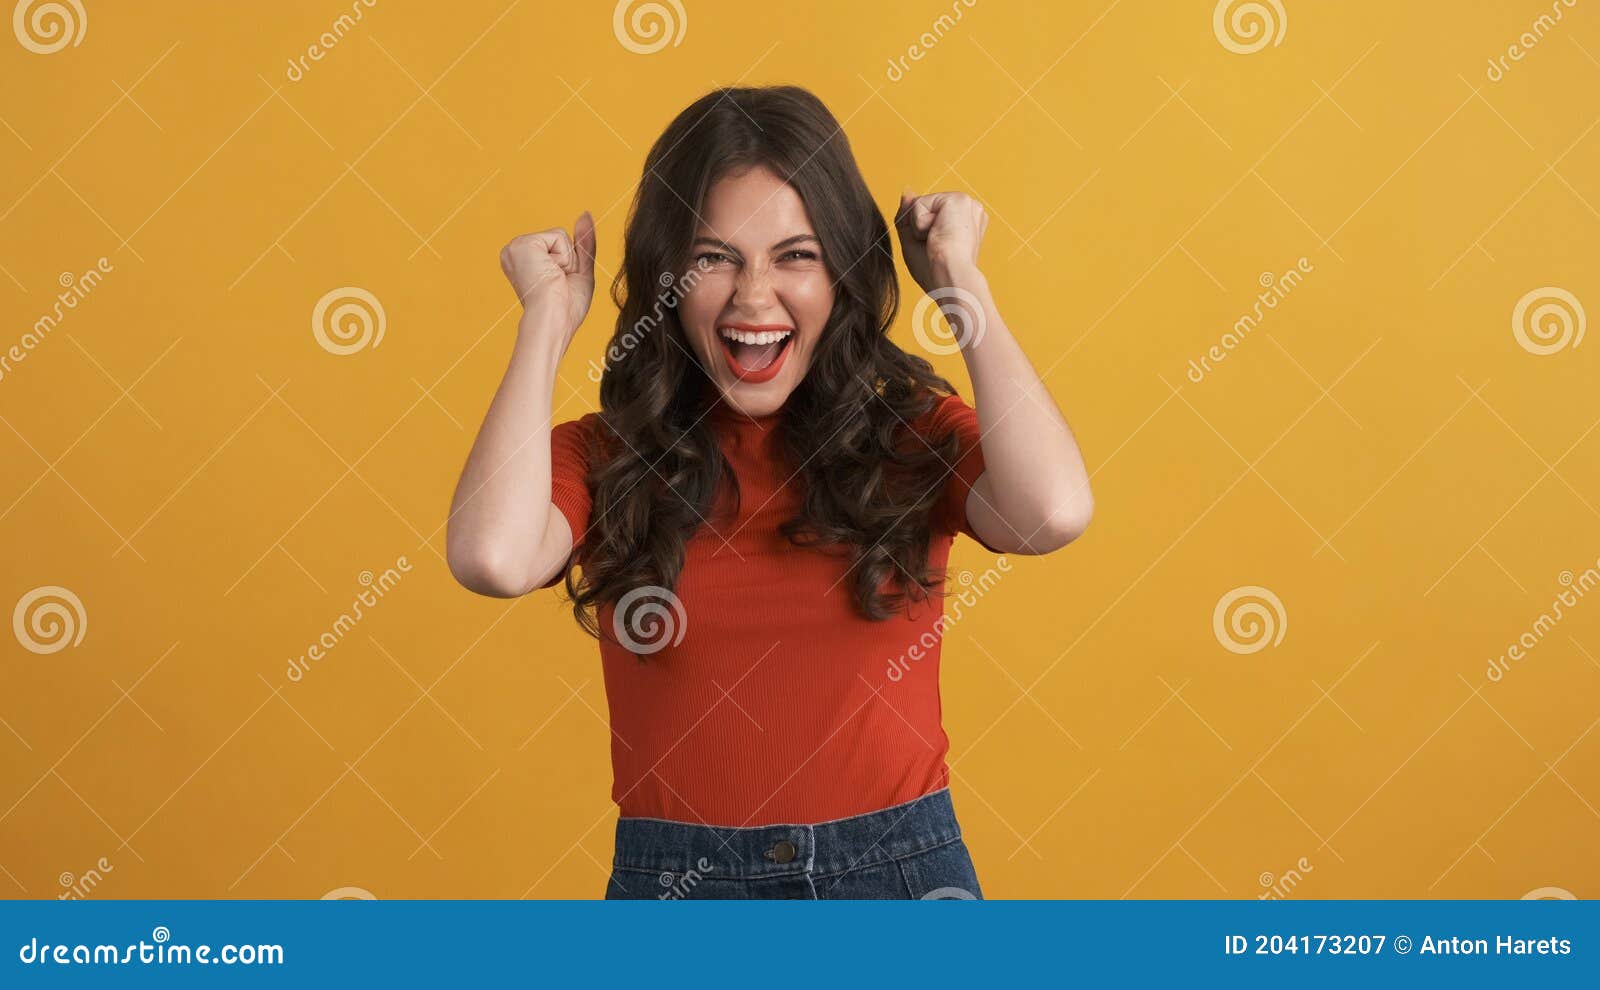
column 543, row 333
column 960, row 275
column 541, row 321
column 964, row 297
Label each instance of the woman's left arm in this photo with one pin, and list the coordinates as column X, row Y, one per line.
column 1033, row 496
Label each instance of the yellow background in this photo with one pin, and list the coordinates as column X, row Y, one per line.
column 1381, row 453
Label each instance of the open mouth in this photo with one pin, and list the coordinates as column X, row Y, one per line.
column 755, row 352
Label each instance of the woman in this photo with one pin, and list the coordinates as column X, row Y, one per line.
column 764, row 505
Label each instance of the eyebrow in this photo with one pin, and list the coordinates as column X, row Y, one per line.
column 786, row 242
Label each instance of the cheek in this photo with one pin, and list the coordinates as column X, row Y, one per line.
column 700, row 306
column 809, row 297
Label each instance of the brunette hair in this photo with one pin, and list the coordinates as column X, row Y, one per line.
column 868, row 493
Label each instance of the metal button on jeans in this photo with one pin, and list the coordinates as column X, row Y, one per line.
column 782, row 851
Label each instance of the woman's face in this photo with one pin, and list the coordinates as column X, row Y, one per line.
column 757, row 293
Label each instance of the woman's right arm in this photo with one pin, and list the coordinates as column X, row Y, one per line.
column 504, row 538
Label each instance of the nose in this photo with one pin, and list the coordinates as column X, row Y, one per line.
column 752, row 289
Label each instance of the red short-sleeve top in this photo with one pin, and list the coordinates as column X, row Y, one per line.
column 765, row 697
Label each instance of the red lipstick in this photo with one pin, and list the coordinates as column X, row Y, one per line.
column 766, row 374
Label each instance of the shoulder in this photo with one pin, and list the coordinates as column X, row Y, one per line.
column 572, row 441
column 584, row 428
column 587, row 424
column 945, row 414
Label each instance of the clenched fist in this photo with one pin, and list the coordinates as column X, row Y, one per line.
column 553, row 273
column 939, row 235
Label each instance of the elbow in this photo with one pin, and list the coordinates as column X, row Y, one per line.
column 1064, row 524
column 483, row 574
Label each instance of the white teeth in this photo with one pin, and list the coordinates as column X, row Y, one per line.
column 746, row 337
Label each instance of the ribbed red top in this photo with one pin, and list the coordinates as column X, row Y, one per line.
column 777, row 704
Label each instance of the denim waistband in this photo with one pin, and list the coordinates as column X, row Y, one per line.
column 659, row 846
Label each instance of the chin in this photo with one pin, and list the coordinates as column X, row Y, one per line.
column 756, row 402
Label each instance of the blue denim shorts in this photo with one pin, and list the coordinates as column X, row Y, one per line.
column 908, row 851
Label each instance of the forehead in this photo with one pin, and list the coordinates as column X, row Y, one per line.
column 755, row 207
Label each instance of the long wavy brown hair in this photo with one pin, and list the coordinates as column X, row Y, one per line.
column 867, row 489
